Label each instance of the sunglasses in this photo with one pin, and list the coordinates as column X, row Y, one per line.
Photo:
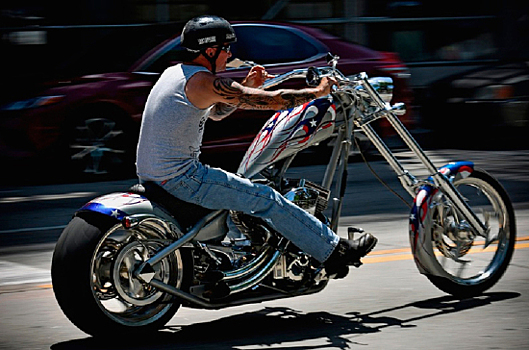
column 226, row 48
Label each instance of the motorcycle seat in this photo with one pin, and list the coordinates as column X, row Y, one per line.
column 186, row 214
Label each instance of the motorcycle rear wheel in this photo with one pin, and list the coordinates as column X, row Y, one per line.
column 472, row 265
column 93, row 282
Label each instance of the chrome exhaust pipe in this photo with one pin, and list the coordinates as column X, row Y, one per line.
column 237, row 280
column 257, row 277
column 250, row 268
column 250, row 275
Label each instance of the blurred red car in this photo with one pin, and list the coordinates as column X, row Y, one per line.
column 91, row 122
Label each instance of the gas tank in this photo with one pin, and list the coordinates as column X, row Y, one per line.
column 288, row 132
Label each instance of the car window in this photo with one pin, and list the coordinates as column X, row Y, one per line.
column 262, row 44
column 171, row 55
column 273, row 44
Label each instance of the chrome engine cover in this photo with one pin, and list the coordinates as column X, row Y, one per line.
column 309, row 196
column 304, row 197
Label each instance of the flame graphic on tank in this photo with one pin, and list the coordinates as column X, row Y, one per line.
column 289, row 131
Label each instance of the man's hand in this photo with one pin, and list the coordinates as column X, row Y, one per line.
column 326, row 86
column 256, row 77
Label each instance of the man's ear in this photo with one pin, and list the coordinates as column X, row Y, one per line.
column 210, row 52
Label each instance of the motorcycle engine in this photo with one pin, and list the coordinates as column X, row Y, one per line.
column 308, row 196
column 294, row 264
column 305, row 194
column 292, row 267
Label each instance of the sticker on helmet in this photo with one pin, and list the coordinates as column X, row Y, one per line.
column 206, row 40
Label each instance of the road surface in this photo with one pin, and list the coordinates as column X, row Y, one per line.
column 385, row 304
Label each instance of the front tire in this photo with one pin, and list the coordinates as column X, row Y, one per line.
column 470, row 266
column 93, row 282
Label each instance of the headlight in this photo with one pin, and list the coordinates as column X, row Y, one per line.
column 382, row 85
column 35, row 102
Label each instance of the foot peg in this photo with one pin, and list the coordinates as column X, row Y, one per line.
column 351, row 232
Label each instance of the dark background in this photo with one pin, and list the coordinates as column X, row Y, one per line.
column 42, row 41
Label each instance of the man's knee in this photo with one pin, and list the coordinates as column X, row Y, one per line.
column 269, row 199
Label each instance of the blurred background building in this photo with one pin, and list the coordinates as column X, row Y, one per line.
column 436, row 39
column 426, row 34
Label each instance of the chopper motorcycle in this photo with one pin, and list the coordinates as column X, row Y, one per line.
column 128, row 261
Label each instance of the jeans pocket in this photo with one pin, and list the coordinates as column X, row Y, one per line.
column 192, row 181
column 192, row 184
column 171, row 185
column 196, row 173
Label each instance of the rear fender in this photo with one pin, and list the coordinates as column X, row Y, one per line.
column 422, row 215
column 126, row 204
column 119, row 205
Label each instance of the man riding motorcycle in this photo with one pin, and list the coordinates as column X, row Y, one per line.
column 177, row 108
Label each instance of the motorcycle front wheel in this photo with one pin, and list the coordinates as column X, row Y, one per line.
column 466, row 265
column 93, row 281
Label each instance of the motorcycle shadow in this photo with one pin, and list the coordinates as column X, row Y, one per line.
column 279, row 325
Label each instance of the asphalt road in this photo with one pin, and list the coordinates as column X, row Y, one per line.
column 385, row 304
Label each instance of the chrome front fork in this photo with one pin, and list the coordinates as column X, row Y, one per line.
column 410, row 183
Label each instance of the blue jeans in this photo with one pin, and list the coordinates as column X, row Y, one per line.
column 217, row 189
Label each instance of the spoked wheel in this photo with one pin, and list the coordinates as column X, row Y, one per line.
column 93, row 277
column 468, row 265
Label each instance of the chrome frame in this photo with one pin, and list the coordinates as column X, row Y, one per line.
column 360, row 86
column 409, row 182
column 339, row 158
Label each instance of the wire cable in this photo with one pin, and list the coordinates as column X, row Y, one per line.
column 377, row 176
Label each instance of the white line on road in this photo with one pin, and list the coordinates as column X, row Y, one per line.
column 31, row 229
column 13, row 273
column 47, row 197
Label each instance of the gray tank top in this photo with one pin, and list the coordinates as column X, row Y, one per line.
column 172, row 127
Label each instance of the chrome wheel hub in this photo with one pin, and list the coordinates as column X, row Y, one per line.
column 128, row 286
column 121, row 295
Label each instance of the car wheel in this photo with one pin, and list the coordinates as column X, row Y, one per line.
column 100, row 144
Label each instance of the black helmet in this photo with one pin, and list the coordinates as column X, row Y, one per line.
column 206, row 31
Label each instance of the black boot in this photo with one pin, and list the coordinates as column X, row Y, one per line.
column 348, row 253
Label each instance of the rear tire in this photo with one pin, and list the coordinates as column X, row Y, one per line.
column 91, row 253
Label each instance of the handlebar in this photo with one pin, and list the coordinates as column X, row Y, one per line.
column 296, row 73
column 323, row 72
column 377, row 90
column 345, row 83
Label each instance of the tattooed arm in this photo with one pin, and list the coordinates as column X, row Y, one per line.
column 221, row 110
column 205, row 90
column 255, row 78
column 232, row 93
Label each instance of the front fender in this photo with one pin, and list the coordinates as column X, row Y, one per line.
column 421, row 219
